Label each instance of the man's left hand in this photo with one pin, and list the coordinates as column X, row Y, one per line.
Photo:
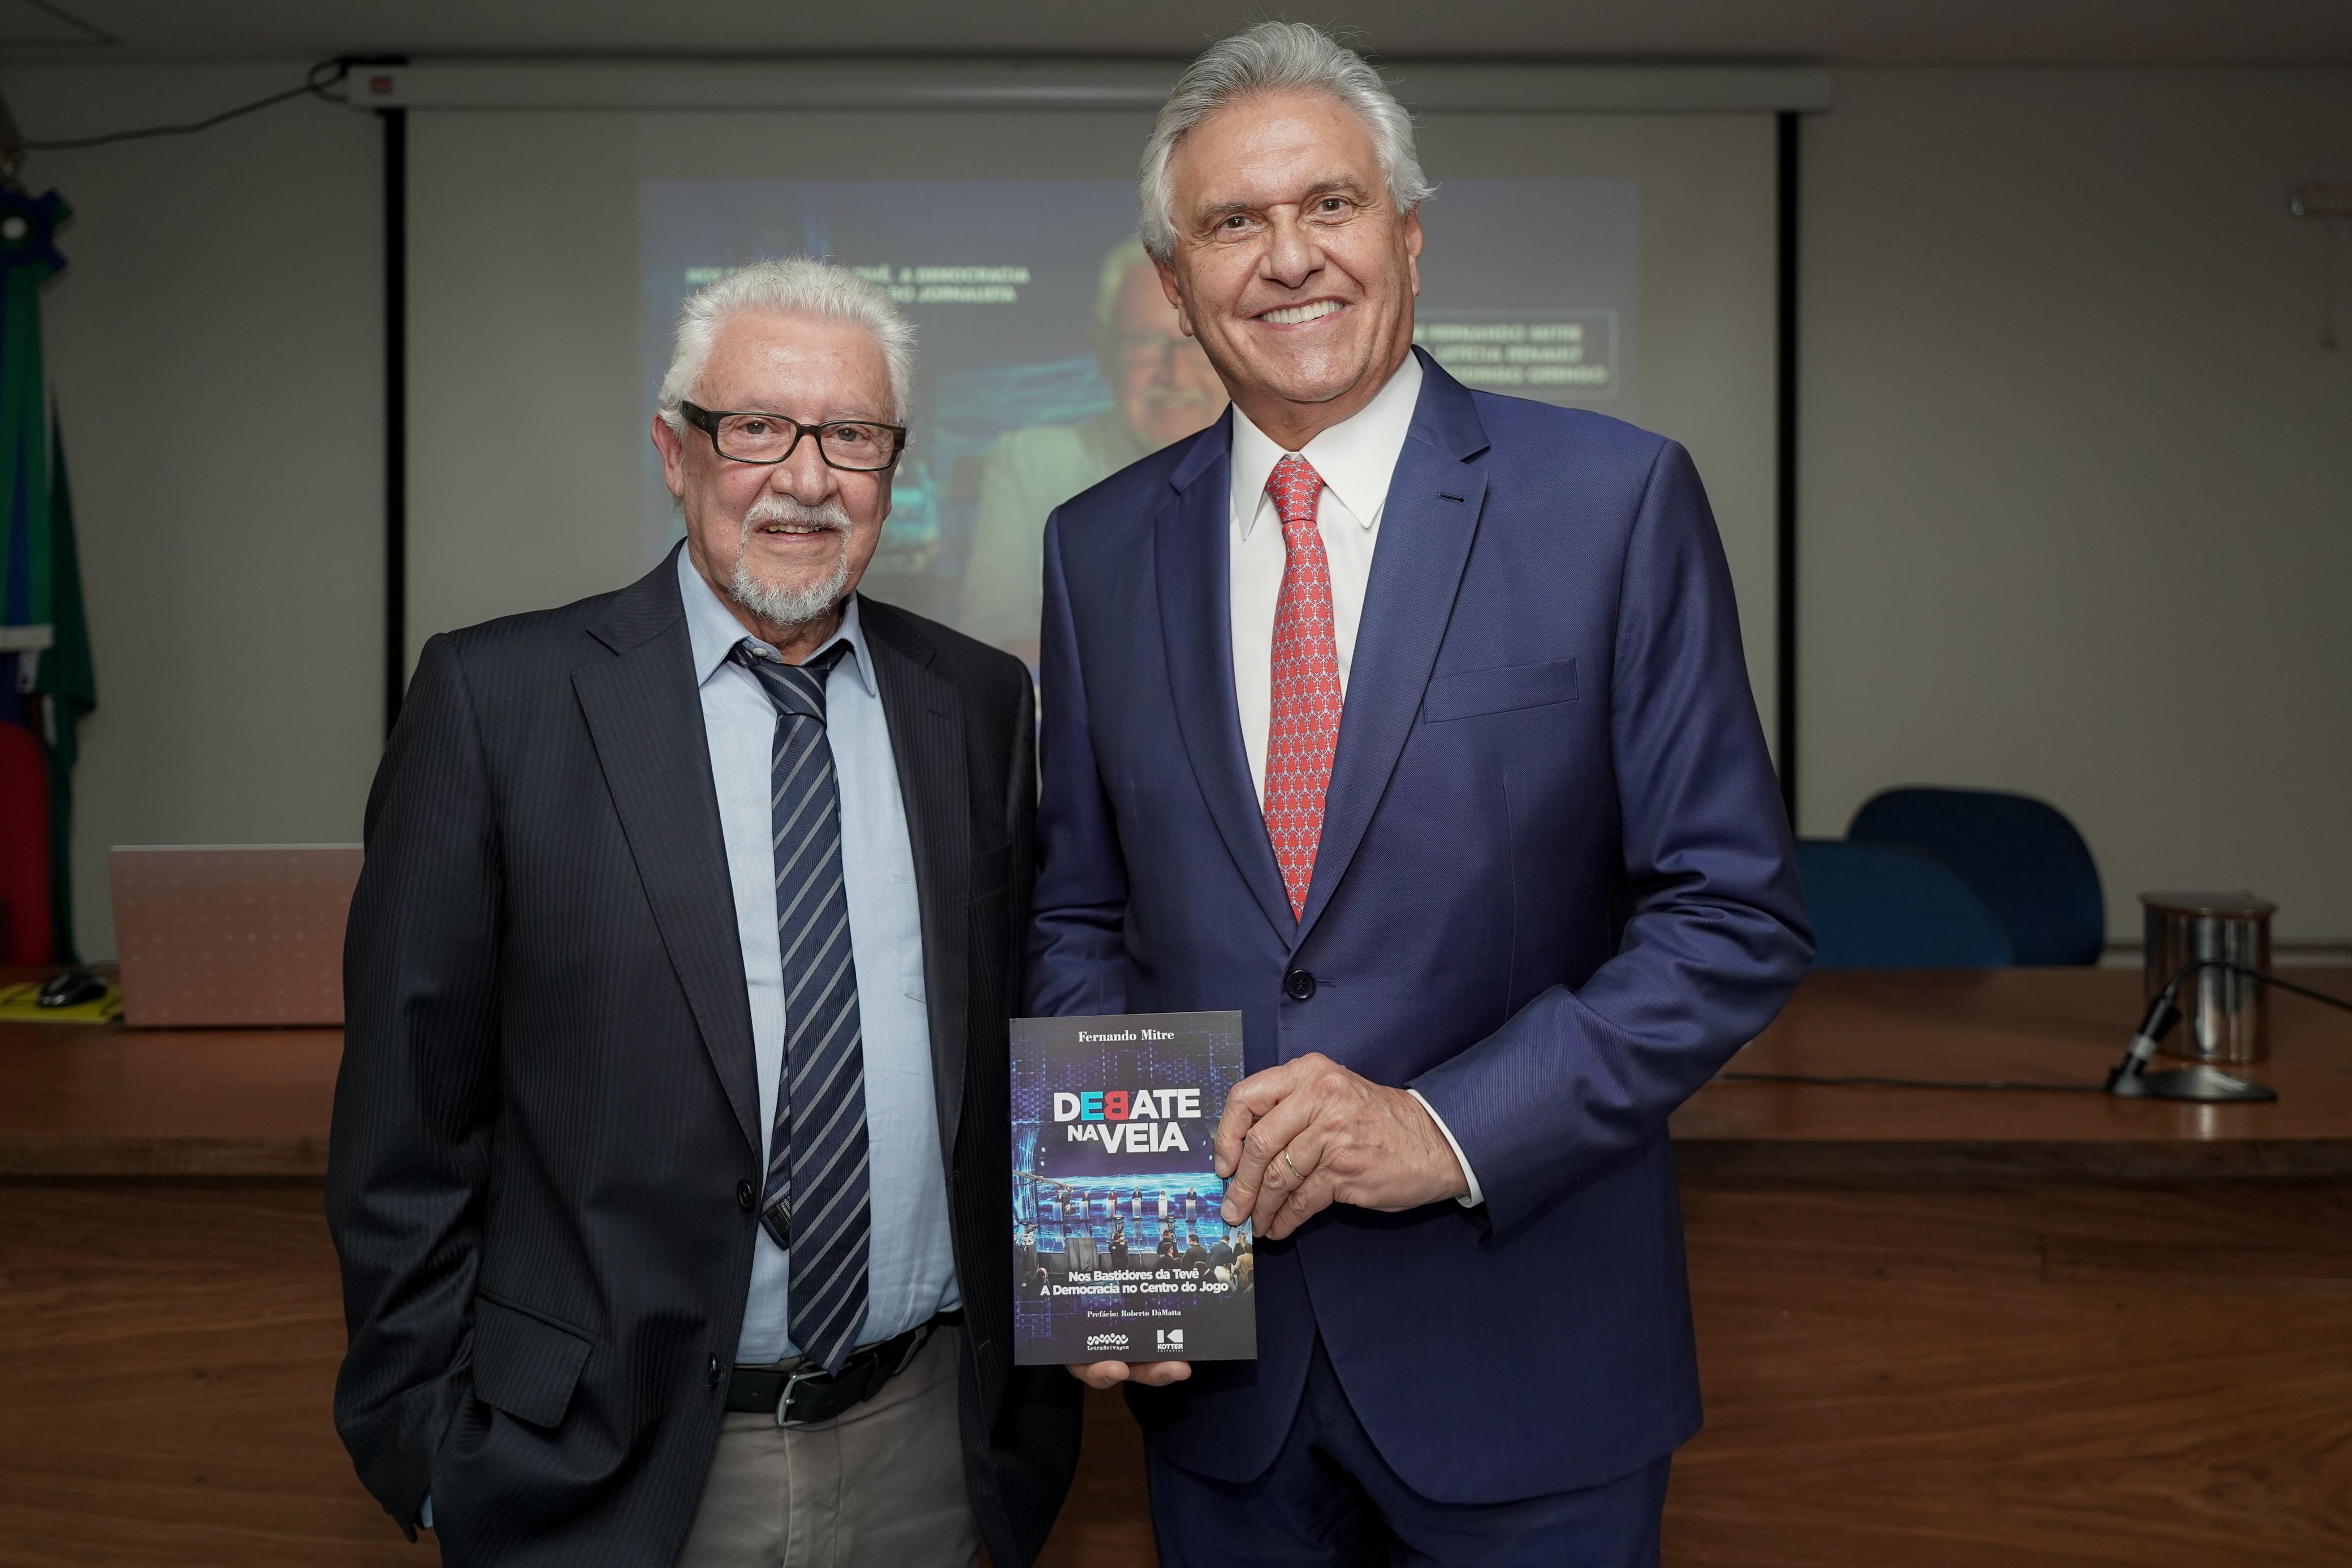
column 1308, row 1133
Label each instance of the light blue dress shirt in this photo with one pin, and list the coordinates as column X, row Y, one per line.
column 911, row 1270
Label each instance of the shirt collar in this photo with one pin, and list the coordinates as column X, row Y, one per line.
column 713, row 629
column 1357, row 457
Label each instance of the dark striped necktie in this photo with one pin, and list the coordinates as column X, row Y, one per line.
column 816, row 1202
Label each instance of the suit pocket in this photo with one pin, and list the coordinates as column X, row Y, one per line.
column 523, row 1365
column 1475, row 692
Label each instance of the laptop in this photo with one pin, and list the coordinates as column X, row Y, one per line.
column 231, row 936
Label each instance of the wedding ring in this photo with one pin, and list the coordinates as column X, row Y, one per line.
column 1294, row 1168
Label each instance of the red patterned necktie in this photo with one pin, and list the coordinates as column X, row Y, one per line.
column 1305, row 728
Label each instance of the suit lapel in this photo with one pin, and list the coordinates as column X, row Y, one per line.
column 926, row 718
column 1426, row 528
column 646, row 723
column 1192, row 559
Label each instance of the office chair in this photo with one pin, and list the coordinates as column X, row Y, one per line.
column 1888, row 906
column 2023, row 857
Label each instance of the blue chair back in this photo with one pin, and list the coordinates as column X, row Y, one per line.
column 2021, row 855
column 1887, row 906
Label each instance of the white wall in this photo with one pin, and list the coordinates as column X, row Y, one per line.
column 525, row 430
column 216, row 344
column 2076, row 482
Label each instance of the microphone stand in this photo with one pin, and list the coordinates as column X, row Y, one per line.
column 2205, row 1085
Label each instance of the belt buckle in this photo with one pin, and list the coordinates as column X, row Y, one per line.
column 784, row 1404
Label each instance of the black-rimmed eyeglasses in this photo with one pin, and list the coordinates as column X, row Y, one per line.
column 857, row 445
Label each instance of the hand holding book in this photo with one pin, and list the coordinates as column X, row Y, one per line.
column 1298, row 1137
column 1111, row 1374
column 1308, row 1133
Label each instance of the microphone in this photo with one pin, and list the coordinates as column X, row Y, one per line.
column 2206, row 1085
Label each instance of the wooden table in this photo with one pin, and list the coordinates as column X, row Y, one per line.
column 1934, row 1327
column 2017, row 1329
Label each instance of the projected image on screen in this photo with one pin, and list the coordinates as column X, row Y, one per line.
column 1049, row 358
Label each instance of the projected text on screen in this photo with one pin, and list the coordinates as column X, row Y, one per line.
column 1050, row 359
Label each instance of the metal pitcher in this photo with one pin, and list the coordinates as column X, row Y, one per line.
column 2226, row 1015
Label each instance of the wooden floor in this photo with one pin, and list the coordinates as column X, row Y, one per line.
column 2002, row 1377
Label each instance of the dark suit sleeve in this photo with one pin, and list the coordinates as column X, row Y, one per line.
column 1035, row 1445
column 1716, row 935
column 417, row 1093
column 1079, row 936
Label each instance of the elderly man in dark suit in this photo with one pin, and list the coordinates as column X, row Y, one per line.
column 669, row 1147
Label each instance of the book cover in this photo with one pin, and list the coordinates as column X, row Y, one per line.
column 1118, row 1250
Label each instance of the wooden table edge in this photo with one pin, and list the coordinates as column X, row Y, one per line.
column 38, row 1155
column 1737, row 1163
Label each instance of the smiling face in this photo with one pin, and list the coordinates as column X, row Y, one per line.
column 1291, row 266
column 782, row 544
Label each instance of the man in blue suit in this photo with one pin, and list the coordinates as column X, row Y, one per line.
column 1412, row 722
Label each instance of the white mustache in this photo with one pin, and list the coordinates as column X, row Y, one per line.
column 772, row 507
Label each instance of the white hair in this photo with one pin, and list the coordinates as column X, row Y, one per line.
column 1275, row 57
column 789, row 285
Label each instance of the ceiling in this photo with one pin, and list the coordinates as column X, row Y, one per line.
column 1832, row 32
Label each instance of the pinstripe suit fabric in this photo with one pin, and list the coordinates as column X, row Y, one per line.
column 549, row 1096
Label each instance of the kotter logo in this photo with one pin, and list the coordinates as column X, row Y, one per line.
column 1171, row 1339
column 1105, row 1342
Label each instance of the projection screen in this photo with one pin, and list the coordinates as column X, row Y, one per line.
column 1621, row 261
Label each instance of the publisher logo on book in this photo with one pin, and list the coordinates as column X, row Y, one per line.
column 1105, row 1342
column 1171, row 1339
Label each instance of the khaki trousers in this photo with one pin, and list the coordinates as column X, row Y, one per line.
column 880, row 1484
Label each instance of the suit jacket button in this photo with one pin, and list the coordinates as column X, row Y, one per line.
column 1298, row 985
column 746, row 1197
column 713, row 1372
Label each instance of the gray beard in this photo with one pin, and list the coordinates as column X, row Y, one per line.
column 791, row 608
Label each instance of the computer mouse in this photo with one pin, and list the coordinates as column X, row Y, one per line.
column 72, row 989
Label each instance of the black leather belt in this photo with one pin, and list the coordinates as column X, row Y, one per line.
column 797, row 1398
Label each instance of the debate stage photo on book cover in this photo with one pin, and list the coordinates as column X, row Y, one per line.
column 1119, row 1249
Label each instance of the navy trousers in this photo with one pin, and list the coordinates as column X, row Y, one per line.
column 1329, row 1499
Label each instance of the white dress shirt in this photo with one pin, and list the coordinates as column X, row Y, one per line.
column 1357, row 459
column 911, row 1272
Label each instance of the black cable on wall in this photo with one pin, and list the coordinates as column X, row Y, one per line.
column 316, row 81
